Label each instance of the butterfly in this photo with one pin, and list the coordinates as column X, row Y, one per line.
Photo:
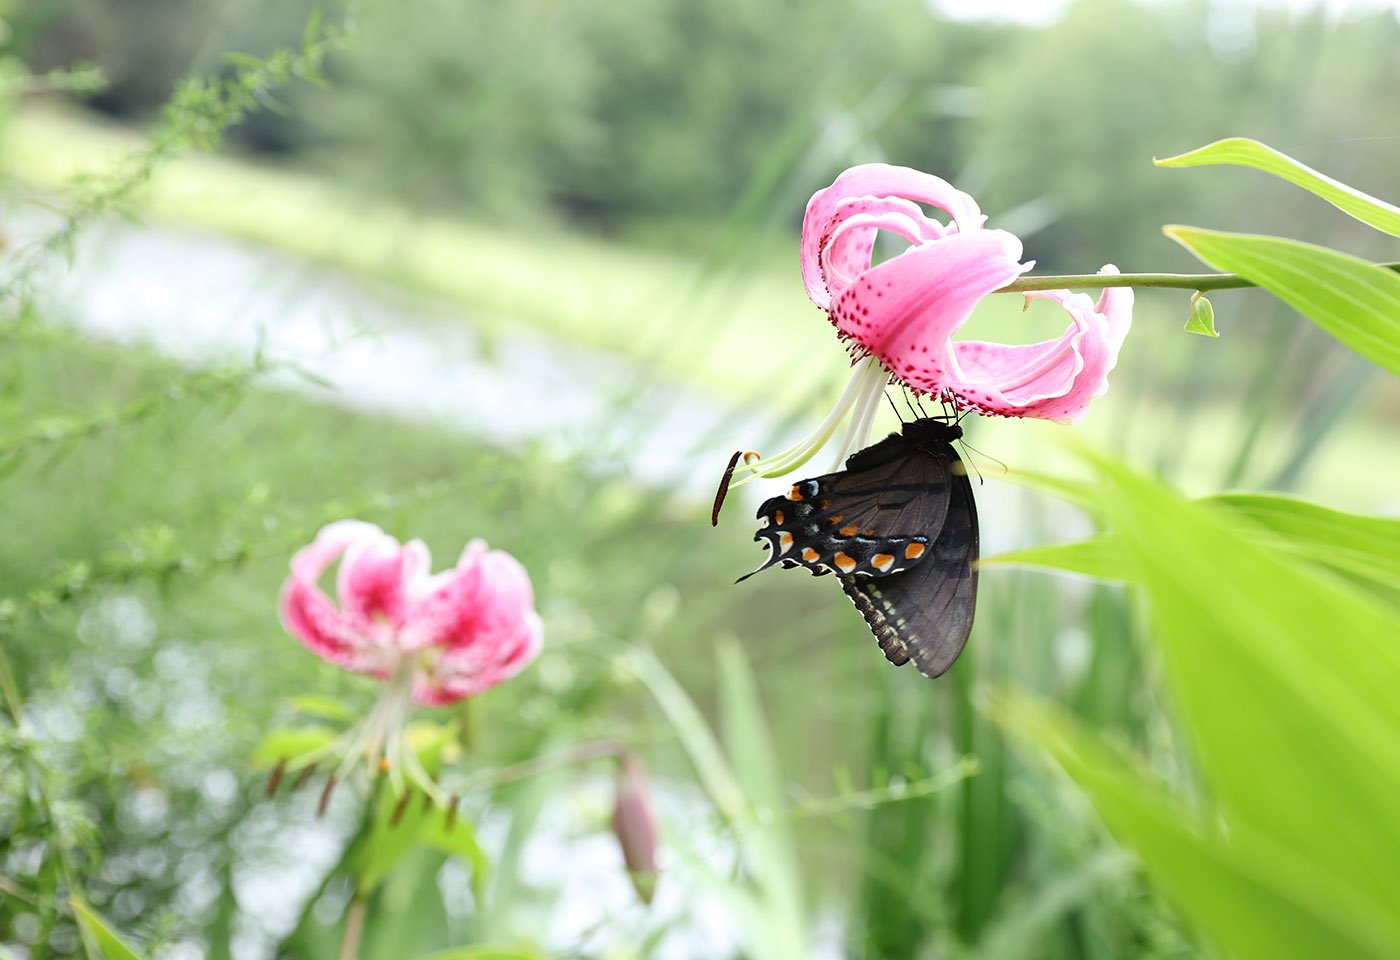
column 898, row 528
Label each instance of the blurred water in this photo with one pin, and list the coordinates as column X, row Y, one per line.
column 207, row 299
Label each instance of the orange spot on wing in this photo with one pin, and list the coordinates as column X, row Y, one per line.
column 784, row 539
column 796, row 492
column 836, row 519
column 810, row 555
column 778, row 517
column 882, row 561
column 843, row 563
column 849, row 530
column 913, row 551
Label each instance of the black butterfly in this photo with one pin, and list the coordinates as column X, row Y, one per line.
column 898, row 527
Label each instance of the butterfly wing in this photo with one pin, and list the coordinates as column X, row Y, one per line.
column 925, row 613
column 876, row 518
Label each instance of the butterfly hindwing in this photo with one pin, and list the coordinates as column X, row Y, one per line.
column 925, row 614
column 898, row 527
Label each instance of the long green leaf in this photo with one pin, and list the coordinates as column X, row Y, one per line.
column 1100, row 558
column 1246, row 895
column 96, row 928
column 771, row 851
column 1364, row 550
column 1286, row 679
column 1243, row 152
column 1355, row 301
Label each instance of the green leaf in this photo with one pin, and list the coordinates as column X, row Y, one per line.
column 1284, row 676
column 387, row 842
column 769, row 844
column 1101, row 558
column 290, row 744
column 96, row 928
column 1251, row 898
column 1355, row 301
column 1202, row 320
column 1364, row 550
column 458, row 840
column 323, row 708
column 1243, row 152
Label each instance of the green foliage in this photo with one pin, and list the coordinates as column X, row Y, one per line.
column 1244, row 152
column 1355, row 301
column 660, row 118
column 1295, row 737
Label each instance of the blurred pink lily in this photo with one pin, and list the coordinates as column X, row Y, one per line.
column 900, row 315
column 434, row 638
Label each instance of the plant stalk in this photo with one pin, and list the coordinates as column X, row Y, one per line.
column 1179, row 281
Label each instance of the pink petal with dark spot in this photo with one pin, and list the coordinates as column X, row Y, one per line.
column 377, row 575
column 1053, row 380
column 905, row 310
column 342, row 637
column 491, row 637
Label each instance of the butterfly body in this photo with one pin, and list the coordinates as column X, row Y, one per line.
column 898, row 528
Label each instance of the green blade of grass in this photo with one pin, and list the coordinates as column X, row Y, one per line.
column 1254, row 900
column 96, row 928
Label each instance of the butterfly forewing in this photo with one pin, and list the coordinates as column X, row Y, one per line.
column 877, row 517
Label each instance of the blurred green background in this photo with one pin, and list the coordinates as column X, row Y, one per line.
column 527, row 271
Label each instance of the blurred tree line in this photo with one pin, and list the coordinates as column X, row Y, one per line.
column 667, row 116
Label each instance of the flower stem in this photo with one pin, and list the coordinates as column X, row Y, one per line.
column 1180, row 281
column 354, row 927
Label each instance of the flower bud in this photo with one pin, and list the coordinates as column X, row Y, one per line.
column 634, row 824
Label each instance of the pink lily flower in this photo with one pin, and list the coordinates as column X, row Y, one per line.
column 435, row 639
column 900, row 315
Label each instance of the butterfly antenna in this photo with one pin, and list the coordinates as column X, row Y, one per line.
column 897, row 415
column 980, row 479
column 909, row 403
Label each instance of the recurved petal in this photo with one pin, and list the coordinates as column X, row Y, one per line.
column 1053, row 380
column 851, row 240
column 874, row 180
column 333, row 539
column 906, row 310
column 333, row 635
column 340, row 636
column 377, row 577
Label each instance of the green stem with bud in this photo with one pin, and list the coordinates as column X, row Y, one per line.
column 1178, row 281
